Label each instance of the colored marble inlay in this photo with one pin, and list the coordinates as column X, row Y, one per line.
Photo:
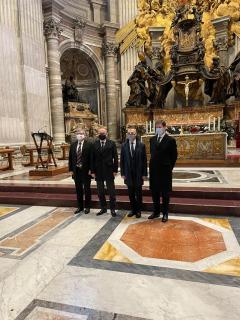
column 6, row 210
column 48, row 314
column 179, row 240
column 230, row 267
column 108, row 252
column 224, row 223
column 25, row 240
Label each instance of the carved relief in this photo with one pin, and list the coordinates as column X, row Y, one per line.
column 79, row 27
column 109, row 49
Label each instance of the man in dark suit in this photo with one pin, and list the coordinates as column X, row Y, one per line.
column 163, row 149
column 104, row 168
column 133, row 170
column 79, row 166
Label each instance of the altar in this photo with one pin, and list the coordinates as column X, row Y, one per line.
column 203, row 146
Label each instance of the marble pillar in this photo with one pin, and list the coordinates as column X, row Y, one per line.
column 221, row 26
column 129, row 59
column 97, row 6
column 109, row 50
column 52, row 32
column 156, row 33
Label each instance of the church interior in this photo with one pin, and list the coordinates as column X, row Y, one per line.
column 87, row 64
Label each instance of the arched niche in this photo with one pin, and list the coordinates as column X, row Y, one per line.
column 77, row 64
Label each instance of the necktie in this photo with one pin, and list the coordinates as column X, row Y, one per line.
column 132, row 149
column 79, row 153
column 102, row 144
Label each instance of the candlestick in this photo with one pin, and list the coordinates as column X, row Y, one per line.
column 214, row 124
column 146, row 127
column 219, row 123
column 209, row 123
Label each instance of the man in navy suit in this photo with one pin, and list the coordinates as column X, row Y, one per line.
column 163, row 149
column 133, row 170
column 79, row 166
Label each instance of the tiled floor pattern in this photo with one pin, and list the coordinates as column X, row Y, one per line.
column 57, row 266
column 183, row 176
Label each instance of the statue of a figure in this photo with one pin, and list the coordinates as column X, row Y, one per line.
column 158, row 92
column 136, row 82
column 198, row 18
column 235, row 81
column 218, row 89
column 70, row 92
column 201, row 51
column 186, row 84
column 179, row 15
column 173, row 53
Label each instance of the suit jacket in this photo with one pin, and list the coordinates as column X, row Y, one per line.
column 162, row 161
column 133, row 168
column 86, row 158
column 104, row 161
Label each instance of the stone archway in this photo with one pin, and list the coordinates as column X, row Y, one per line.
column 77, row 64
column 88, row 73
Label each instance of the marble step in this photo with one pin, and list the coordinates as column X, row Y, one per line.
column 178, row 204
column 178, row 192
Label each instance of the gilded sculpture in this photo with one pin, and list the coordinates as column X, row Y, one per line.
column 161, row 14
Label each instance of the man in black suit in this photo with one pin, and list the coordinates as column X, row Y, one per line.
column 104, row 168
column 79, row 166
column 133, row 170
column 163, row 149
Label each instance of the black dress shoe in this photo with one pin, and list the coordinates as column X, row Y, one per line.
column 154, row 216
column 131, row 214
column 165, row 218
column 86, row 211
column 102, row 211
column 113, row 213
column 78, row 211
column 138, row 215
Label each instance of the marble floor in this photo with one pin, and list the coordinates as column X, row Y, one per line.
column 57, row 266
column 193, row 177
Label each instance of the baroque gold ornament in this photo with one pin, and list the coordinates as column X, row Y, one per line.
column 160, row 13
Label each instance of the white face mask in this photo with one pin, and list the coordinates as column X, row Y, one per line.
column 160, row 131
column 80, row 137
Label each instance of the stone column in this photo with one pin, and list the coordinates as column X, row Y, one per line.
column 109, row 51
column 221, row 26
column 97, row 6
column 156, row 33
column 52, row 32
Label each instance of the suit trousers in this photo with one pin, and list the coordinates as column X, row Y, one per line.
column 82, row 185
column 156, row 201
column 111, row 191
column 135, row 197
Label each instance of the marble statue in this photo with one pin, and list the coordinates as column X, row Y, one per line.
column 137, row 83
column 235, row 81
column 70, row 92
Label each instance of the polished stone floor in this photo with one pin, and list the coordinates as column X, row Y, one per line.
column 194, row 177
column 57, row 266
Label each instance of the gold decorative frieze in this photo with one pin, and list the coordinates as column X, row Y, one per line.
column 204, row 146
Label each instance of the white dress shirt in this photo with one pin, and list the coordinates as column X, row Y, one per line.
column 159, row 138
column 80, row 142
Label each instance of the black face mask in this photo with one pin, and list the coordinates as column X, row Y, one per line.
column 102, row 136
